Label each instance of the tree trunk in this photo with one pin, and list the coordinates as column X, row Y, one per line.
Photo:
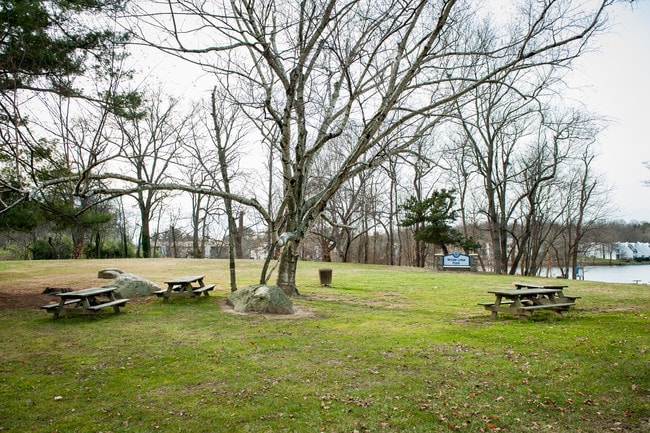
column 287, row 269
column 78, row 235
column 145, row 240
column 196, row 247
column 232, row 228
column 326, row 250
column 122, row 227
column 496, row 248
column 172, row 231
column 98, row 245
column 145, row 233
column 239, row 236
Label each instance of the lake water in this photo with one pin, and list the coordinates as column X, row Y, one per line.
column 639, row 274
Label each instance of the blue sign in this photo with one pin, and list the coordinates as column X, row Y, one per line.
column 455, row 260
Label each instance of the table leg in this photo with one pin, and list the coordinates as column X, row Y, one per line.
column 111, row 296
column 554, row 300
column 59, row 308
column 497, row 303
column 168, row 293
column 516, row 305
column 86, row 302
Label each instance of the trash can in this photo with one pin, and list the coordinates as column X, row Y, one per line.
column 325, row 277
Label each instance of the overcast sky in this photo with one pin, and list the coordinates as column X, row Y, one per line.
column 616, row 84
column 613, row 81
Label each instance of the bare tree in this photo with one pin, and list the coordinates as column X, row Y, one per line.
column 74, row 144
column 345, row 215
column 586, row 199
column 214, row 157
column 380, row 72
column 203, row 206
column 539, row 166
column 152, row 145
column 494, row 124
column 226, row 137
column 391, row 168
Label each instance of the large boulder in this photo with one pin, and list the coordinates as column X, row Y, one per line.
column 261, row 299
column 130, row 285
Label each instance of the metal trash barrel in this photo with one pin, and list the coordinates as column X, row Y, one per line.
column 325, row 277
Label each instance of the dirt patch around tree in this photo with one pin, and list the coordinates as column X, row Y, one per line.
column 30, row 295
column 17, row 301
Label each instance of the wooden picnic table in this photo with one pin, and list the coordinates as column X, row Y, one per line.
column 86, row 301
column 522, row 302
column 185, row 286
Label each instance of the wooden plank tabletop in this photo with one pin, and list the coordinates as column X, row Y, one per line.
column 93, row 291
column 524, row 292
column 540, row 285
column 185, row 280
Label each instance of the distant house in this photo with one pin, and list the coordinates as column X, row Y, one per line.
column 642, row 250
column 623, row 251
column 602, row 251
column 632, row 250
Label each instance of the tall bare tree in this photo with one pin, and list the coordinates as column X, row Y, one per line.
column 152, row 146
column 586, row 204
column 227, row 135
column 380, row 72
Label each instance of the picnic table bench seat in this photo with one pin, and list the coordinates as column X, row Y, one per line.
column 204, row 289
column 57, row 304
column 565, row 305
column 491, row 304
column 198, row 290
column 115, row 304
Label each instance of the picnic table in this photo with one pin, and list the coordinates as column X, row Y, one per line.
column 526, row 298
column 86, row 301
column 189, row 285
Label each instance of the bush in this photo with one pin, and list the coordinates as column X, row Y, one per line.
column 109, row 249
column 52, row 248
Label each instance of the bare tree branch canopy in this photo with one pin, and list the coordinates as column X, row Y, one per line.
column 380, row 74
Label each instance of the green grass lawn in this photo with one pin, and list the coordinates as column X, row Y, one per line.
column 385, row 349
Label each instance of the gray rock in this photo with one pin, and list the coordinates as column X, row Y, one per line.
column 131, row 286
column 109, row 274
column 261, row 299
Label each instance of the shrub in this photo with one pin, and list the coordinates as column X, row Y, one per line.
column 52, row 248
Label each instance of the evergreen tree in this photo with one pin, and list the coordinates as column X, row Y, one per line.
column 45, row 44
column 432, row 219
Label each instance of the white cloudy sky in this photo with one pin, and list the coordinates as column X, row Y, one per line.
column 616, row 81
column 613, row 81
